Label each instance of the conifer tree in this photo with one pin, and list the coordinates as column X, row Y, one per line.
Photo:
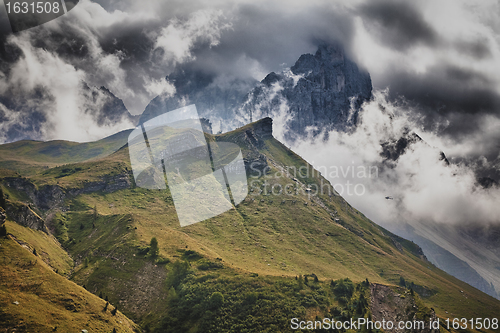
column 3, row 230
column 2, row 199
column 153, row 247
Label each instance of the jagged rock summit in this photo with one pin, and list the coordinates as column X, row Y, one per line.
column 324, row 90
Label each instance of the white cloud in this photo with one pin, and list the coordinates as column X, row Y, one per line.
column 62, row 84
column 455, row 22
column 178, row 38
column 423, row 187
column 160, row 87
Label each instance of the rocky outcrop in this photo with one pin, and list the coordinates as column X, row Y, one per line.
column 255, row 162
column 2, row 216
column 49, row 196
column 206, row 125
column 263, row 129
column 53, row 196
column 107, row 184
column 330, row 86
column 391, row 150
column 45, row 198
column 399, row 306
column 25, row 216
column 105, row 107
column 251, row 139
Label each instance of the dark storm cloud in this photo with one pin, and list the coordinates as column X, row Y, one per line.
column 116, row 46
column 269, row 37
column 7, row 53
column 478, row 49
column 5, row 28
column 447, row 95
column 274, row 38
column 443, row 69
column 257, row 41
column 130, row 47
column 397, row 24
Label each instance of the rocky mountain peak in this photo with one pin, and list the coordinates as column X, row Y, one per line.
column 271, row 78
column 329, row 55
column 324, row 90
column 263, row 128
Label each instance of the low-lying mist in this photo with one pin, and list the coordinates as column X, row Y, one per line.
column 418, row 186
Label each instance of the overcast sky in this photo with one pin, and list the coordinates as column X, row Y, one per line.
column 441, row 58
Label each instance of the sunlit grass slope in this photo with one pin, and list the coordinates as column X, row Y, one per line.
column 268, row 237
column 29, row 157
column 33, row 298
column 46, row 246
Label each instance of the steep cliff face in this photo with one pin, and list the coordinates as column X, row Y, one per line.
column 45, row 198
column 263, row 129
column 2, row 216
column 330, row 92
column 107, row 184
column 320, row 92
column 25, row 216
column 400, row 307
column 53, row 197
column 251, row 139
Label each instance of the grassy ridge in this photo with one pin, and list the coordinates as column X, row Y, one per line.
column 274, row 239
column 261, row 245
column 29, row 157
column 46, row 246
column 110, row 261
column 33, row 298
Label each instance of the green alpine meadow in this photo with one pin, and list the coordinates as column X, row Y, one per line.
column 83, row 248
